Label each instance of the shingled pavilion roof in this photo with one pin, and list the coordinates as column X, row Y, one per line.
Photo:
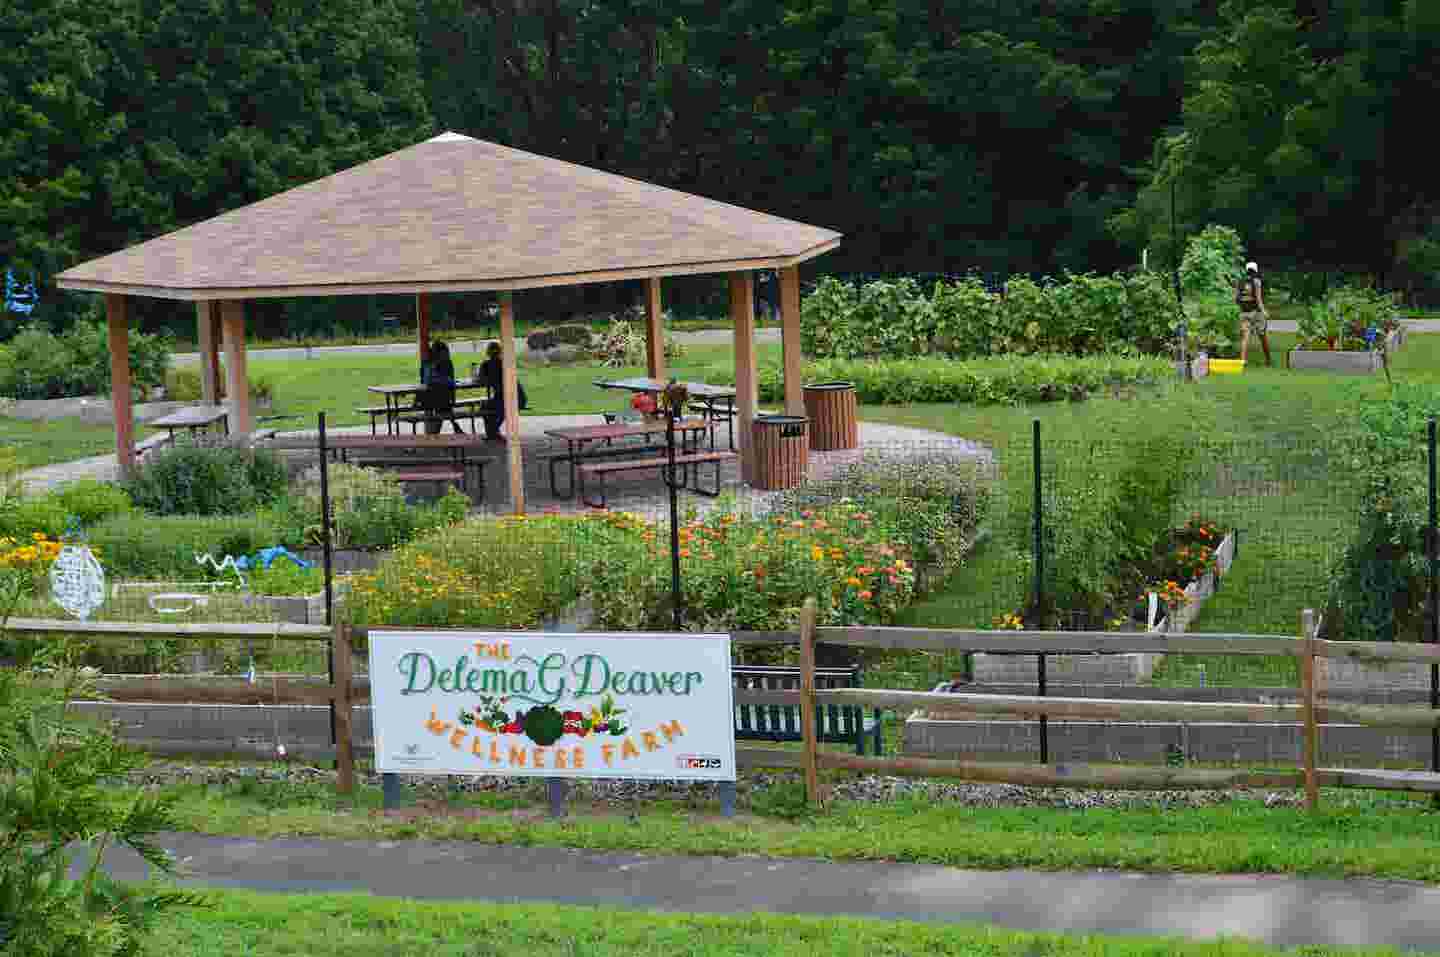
column 451, row 214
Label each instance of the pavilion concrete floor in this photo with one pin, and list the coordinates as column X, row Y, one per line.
column 635, row 491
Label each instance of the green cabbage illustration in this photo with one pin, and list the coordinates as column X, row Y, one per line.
column 544, row 725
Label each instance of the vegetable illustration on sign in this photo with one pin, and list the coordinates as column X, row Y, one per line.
column 544, row 724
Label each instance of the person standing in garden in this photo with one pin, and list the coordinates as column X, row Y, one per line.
column 1253, row 315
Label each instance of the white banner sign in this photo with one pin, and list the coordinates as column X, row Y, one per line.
column 553, row 705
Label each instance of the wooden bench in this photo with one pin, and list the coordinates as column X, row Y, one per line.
column 377, row 411
column 412, row 468
column 841, row 724
column 602, row 469
column 463, row 409
column 432, row 473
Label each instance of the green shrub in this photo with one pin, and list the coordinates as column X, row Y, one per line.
column 183, row 384
column 284, row 577
column 1213, row 262
column 164, row 547
column 192, row 479
column 1086, row 314
column 84, row 503
column 994, row 380
column 1379, row 584
column 367, row 507
column 36, row 364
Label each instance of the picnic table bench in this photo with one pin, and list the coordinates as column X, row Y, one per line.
column 578, row 440
column 195, row 418
column 683, row 461
column 408, row 462
column 844, row 724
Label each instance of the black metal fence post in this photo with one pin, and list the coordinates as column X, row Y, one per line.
column 673, row 483
column 1040, row 588
column 1431, row 547
column 325, row 548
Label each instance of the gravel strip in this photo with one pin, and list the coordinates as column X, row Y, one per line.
column 862, row 788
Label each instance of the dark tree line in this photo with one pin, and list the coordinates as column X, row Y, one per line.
column 1025, row 136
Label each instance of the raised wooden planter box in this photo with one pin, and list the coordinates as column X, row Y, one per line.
column 1127, row 669
column 1198, row 592
column 1345, row 361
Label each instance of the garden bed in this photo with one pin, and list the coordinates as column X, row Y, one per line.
column 1347, row 361
column 1126, row 669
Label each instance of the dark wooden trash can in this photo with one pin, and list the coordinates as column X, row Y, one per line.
column 781, row 447
column 830, row 406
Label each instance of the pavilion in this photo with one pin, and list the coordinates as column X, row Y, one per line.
column 454, row 214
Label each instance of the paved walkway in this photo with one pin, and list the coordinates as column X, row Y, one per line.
column 1279, row 911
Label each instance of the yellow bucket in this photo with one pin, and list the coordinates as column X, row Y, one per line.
column 1227, row 366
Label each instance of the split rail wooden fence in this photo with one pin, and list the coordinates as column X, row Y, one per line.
column 1310, row 711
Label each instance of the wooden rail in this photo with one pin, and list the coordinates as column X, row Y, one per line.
column 347, row 691
column 1090, row 643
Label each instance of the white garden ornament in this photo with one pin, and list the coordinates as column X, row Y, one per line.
column 77, row 582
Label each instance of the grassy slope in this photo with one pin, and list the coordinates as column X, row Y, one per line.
column 269, row 925
column 1355, row 833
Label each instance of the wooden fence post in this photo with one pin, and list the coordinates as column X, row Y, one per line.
column 807, row 701
column 341, row 695
column 1307, row 688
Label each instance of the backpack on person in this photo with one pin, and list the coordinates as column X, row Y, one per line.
column 1245, row 296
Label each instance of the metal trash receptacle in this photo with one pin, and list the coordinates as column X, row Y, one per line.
column 831, row 409
column 780, row 445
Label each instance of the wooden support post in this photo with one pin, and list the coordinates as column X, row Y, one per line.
column 654, row 331
column 237, row 382
column 422, row 321
column 807, row 702
column 742, row 315
column 344, row 730
column 511, row 398
column 207, row 329
column 1307, row 688
column 119, row 334
column 790, row 340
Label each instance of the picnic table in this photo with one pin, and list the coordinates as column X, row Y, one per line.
column 394, row 405
column 578, row 437
column 412, row 467
column 709, row 397
column 194, row 418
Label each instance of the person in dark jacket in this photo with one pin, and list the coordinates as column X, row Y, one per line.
column 438, row 397
column 492, row 376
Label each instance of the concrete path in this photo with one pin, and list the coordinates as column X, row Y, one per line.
column 1279, row 911
column 467, row 344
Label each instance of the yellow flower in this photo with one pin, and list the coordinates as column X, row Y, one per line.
column 816, row 552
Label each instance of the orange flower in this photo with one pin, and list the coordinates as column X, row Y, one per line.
column 866, row 596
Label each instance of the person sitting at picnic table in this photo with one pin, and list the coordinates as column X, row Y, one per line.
column 437, row 375
column 492, row 377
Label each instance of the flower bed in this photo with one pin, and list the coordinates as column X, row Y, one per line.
column 1352, row 330
column 856, row 553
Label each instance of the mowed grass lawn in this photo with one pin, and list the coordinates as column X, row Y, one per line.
column 1273, row 470
column 1354, row 833
column 320, row 925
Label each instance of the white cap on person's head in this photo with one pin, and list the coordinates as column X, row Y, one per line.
column 1251, row 267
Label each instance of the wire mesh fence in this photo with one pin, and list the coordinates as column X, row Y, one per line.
column 1113, row 533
